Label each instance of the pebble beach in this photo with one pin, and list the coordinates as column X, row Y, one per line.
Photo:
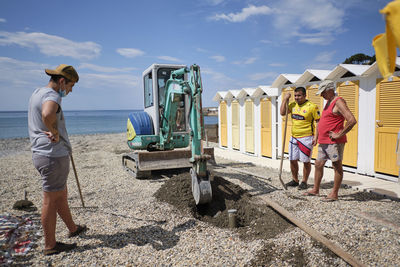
column 128, row 226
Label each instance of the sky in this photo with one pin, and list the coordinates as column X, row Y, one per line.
column 237, row 43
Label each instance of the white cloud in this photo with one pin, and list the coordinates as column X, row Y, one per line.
column 325, row 56
column 323, row 61
column 312, row 21
column 214, row 2
column 201, row 50
column 322, row 38
column 266, row 41
column 246, row 12
column 250, row 60
column 246, row 61
column 104, row 69
column 168, row 58
column 130, row 52
column 2, row 20
column 277, row 65
column 262, row 76
column 51, row 45
column 17, row 73
column 111, row 81
column 218, row 58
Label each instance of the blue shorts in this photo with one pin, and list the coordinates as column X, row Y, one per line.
column 54, row 171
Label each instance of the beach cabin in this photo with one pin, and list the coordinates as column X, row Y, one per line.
column 236, row 120
column 222, row 118
column 248, row 136
column 265, row 99
column 385, row 122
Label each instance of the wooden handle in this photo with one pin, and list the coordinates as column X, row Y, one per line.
column 283, row 148
column 77, row 181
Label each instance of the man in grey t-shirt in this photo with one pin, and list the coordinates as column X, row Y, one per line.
column 50, row 154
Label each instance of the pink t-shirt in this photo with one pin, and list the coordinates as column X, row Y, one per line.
column 330, row 122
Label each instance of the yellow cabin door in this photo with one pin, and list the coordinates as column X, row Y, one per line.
column 249, row 128
column 289, row 123
column 319, row 101
column 387, row 125
column 266, row 128
column 224, row 124
column 348, row 90
column 235, row 125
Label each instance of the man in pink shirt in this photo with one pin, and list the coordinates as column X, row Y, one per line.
column 331, row 138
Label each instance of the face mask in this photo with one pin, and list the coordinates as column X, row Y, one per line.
column 62, row 92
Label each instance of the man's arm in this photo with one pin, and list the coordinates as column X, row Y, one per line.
column 346, row 113
column 284, row 104
column 315, row 138
column 49, row 118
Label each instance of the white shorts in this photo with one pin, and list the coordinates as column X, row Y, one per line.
column 300, row 148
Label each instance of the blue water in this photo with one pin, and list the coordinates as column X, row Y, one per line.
column 14, row 124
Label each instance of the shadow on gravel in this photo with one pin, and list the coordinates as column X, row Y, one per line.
column 258, row 184
column 156, row 236
column 363, row 196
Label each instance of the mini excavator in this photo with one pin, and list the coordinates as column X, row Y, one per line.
column 171, row 122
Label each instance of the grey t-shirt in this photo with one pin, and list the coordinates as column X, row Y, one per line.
column 40, row 143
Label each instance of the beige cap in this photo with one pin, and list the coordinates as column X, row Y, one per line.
column 326, row 85
column 66, row 71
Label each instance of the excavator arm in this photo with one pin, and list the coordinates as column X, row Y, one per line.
column 176, row 88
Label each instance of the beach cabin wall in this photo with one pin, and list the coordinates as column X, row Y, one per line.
column 249, row 120
column 223, row 117
column 265, row 99
column 235, row 124
column 236, row 120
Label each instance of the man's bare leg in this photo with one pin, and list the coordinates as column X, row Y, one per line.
column 64, row 211
column 306, row 171
column 49, row 218
column 338, row 168
column 319, row 173
column 294, row 167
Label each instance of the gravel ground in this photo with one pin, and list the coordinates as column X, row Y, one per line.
column 129, row 226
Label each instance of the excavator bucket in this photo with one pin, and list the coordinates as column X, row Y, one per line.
column 141, row 163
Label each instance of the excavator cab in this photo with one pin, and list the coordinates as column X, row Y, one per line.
column 166, row 134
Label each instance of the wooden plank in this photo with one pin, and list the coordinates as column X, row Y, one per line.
column 314, row 234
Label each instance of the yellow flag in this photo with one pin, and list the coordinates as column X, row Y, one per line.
column 382, row 55
column 392, row 12
column 385, row 43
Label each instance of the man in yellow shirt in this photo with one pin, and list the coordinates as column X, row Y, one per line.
column 304, row 137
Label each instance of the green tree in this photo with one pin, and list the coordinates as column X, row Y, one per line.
column 360, row 59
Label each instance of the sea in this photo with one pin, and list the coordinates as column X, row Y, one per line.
column 14, row 124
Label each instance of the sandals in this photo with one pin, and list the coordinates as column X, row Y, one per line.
column 59, row 247
column 80, row 229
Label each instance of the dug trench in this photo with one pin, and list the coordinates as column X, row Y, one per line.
column 254, row 220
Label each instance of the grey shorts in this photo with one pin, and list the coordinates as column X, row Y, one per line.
column 54, row 171
column 333, row 152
